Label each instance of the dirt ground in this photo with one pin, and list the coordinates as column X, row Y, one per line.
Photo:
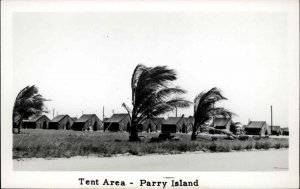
column 269, row 160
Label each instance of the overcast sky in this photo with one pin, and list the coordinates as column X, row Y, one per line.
column 84, row 61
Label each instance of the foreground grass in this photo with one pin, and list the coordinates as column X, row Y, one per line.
column 55, row 144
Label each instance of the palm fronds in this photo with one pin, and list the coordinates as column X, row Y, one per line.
column 153, row 94
column 28, row 103
column 127, row 109
column 204, row 108
column 135, row 78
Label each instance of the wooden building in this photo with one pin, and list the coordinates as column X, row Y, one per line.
column 187, row 124
column 222, row 123
column 172, row 125
column 152, row 125
column 276, row 130
column 36, row 122
column 63, row 122
column 285, row 131
column 87, row 122
column 117, row 122
column 257, row 128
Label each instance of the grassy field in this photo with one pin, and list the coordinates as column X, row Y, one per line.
column 58, row 143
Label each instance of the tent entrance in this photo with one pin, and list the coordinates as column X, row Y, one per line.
column 184, row 128
column 95, row 126
column 44, row 125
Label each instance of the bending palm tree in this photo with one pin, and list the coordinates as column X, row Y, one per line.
column 204, row 108
column 152, row 95
column 27, row 104
column 234, row 127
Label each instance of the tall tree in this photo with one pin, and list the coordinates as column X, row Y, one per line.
column 28, row 103
column 152, row 95
column 204, row 108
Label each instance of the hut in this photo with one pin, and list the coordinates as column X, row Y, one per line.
column 152, row 124
column 257, row 128
column 222, row 123
column 172, row 125
column 276, row 130
column 117, row 122
column 87, row 122
column 187, row 124
column 64, row 122
column 285, row 131
column 36, row 122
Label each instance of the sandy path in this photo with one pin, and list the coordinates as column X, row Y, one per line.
column 271, row 160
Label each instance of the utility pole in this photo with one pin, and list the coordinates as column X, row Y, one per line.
column 271, row 120
column 103, row 114
column 176, row 111
column 53, row 113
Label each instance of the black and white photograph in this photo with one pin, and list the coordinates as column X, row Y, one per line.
column 140, row 94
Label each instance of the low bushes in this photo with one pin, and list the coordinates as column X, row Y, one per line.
column 263, row 144
column 50, row 144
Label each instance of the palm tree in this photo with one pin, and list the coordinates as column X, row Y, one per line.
column 152, row 95
column 28, row 103
column 204, row 109
column 234, row 127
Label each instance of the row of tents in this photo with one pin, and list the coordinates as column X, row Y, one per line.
column 121, row 122
column 117, row 122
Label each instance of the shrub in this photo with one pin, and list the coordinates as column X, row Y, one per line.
column 243, row 137
column 155, row 139
column 262, row 145
column 285, row 145
column 133, row 152
column 266, row 145
column 223, row 148
column 277, row 145
column 213, row 147
column 183, row 147
column 237, row 146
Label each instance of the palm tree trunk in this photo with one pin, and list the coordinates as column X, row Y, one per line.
column 193, row 137
column 134, row 134
column 19, row 127
column 133, row 131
